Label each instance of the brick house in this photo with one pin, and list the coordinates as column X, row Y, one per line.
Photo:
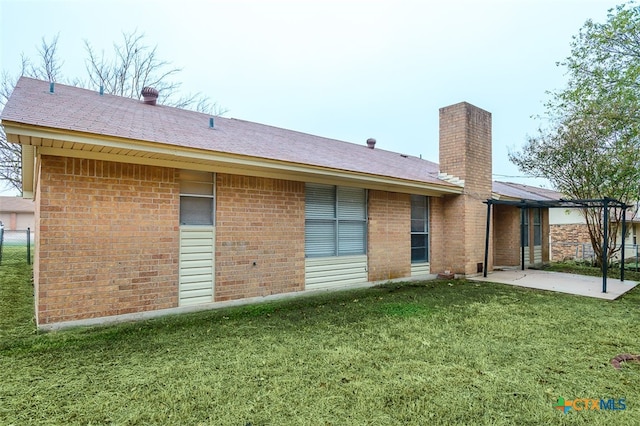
column 569, row 236
column 16, row 213
column 143, row 209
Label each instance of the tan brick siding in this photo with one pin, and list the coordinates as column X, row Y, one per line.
column 389, row 235
column 258, row 220
column 107, row 239
column 447, row 239
column 566, row 238
column 506, row 235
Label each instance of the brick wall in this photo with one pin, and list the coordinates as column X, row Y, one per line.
column 506, row 235
column 465, row 152
column 389, row 235
column 258, row 220
column 566, row 238
column 447, row 243
column 107, row 239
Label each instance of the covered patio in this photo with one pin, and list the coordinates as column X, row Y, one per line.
column 548, row 284
column 580, row 285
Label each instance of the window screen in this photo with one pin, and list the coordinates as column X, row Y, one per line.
column 197, row 197
column 419, row 229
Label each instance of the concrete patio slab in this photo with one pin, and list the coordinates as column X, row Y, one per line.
column 580, row 285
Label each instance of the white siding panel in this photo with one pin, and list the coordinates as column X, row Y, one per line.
column 189, row 279
column 418, row 269
column 196, row 265
column 327, row 272
column 537, row 254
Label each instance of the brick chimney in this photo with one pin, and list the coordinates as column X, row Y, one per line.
column 459, row 221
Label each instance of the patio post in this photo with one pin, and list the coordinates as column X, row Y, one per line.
column 605, row 244
column 624, row 232
column 523, row 211
column 486, row 240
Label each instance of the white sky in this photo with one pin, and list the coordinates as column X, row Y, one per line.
column 348, row 70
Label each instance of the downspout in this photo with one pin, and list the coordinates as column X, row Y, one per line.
column 27, row 160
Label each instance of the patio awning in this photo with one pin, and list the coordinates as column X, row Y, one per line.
column 604, row 203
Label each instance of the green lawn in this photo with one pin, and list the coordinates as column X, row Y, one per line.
column 438, row 352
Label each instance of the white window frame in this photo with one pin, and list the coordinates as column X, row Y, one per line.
column 191, row 177
column 425, row 231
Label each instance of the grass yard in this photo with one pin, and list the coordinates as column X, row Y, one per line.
column 437, row 352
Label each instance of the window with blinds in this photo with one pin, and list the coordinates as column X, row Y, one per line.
column 335, row 221
column 419, row 229
column 197, row 198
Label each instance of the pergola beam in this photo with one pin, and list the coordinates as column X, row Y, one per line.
column 605, row 203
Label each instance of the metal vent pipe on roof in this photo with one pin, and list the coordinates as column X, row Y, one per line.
column 371, row 143
column 211, row 122
column 149, row 95
column 51, row 84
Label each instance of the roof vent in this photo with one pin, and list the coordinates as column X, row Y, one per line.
column 150, row 95
column 371, row 143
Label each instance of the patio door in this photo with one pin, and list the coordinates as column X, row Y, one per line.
column 532, row 228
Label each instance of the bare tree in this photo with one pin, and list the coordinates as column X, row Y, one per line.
column 132, row 66
column 135, row 65
column 10, row 154
column 47, row 68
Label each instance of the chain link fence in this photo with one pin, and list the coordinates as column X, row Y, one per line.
column 15, row 246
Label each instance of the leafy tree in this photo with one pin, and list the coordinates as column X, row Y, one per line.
column 132, row 66
column 590, row 147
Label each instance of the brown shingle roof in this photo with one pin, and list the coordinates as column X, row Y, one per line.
column 524, row 192
column 81, row 110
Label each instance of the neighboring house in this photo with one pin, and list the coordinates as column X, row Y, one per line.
column 144, row 209
column 633, row 224
column 570, row 236
column 16, row 213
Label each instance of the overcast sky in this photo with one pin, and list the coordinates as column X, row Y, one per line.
column 348, row 70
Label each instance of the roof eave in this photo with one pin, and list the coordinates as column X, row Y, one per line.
column 51, row 141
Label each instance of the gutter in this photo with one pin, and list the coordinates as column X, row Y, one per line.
column 181, row 157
